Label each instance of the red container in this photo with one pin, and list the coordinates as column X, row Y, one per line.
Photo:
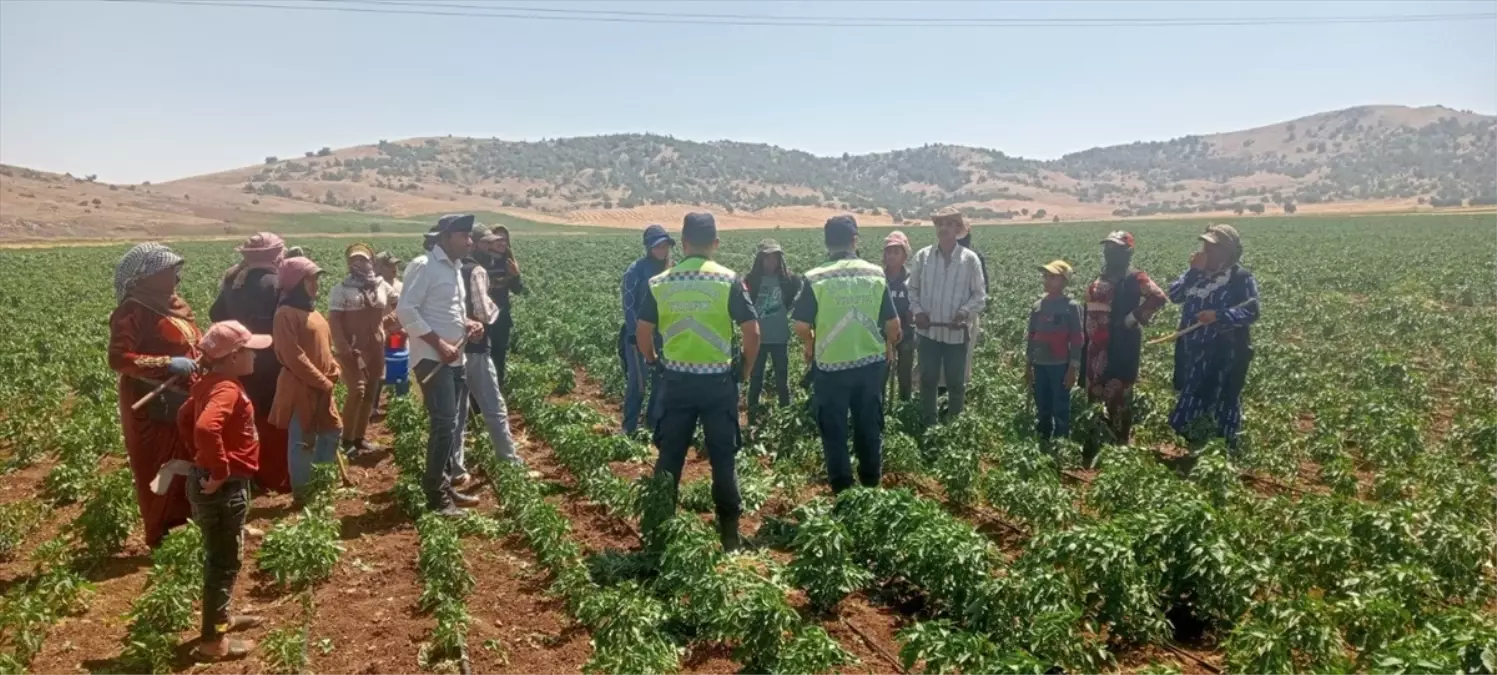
column 395, row 341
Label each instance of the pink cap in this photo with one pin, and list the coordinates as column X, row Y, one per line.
column 293, row 271
column 897, row 238
column 226, row 337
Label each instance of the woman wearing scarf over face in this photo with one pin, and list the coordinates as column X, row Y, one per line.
column 249, row 294
column 1211, row 363
column 1119, row 302
column 304, row 404
column 360, row 310
column 773, row 289
column 153, row 338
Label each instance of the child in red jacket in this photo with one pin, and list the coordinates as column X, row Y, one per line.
column 219, row 421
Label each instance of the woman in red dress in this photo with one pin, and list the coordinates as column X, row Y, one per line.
column 153, row 339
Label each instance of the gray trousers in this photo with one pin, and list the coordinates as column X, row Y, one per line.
column 938, row 360
column 483, row 384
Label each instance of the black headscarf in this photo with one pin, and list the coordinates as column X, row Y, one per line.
column 966, row 242
column 299, row 298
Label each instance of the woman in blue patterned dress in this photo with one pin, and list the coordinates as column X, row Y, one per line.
column 1211, row 362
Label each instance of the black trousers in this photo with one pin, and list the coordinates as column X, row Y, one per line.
column 499, row 333
column 780, row 354
column 713, row 401
column 903, row 367
column 221, row 517
column 859, row 393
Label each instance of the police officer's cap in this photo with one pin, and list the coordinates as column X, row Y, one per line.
column 840, row 230
column 699, row 229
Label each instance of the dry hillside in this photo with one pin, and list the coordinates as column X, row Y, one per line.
column 1366, row 158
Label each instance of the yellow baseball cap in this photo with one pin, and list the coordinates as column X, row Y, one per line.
column 1058, row 268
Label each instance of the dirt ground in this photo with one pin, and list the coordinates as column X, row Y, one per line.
column 367, row 619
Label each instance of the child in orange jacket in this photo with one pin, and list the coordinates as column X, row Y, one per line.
column 219, row 420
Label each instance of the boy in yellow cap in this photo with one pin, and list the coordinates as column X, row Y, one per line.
column 1055, row 342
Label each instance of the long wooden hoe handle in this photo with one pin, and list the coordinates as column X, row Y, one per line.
column 1177, row 334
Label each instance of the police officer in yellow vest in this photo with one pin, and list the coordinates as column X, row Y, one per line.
column 695, row 304
column 847, row 321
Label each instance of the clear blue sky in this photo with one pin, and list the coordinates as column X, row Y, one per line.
column 153, row 92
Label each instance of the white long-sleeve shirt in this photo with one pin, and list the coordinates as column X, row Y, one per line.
column 433, row 301
column 940, row 287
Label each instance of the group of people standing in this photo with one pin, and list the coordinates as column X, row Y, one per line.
column 1100, row 342
column 862, row 324
column 249, row 402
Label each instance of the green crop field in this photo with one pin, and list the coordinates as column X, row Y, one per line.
column 1354, row 534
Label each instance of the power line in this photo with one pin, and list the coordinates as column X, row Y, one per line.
column 621, row 16
column 902, row 19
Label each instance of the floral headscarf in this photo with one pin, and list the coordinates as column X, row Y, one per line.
column 143, row 261
column 140, row 262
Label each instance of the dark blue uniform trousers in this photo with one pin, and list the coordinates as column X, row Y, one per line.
column 860, row 393
column 712, row 400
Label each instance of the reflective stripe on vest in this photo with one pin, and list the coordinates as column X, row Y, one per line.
column 849, row 294
column 696, row 329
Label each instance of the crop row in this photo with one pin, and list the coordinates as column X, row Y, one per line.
column 445, row 578
column 734, row 599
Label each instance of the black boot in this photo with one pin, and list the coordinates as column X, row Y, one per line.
column 727, row 532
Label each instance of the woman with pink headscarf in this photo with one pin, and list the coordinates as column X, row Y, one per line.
column 304, row 405
column 249, row 294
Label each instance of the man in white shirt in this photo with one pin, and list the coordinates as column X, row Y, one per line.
column 947, row 291
column 433, row 312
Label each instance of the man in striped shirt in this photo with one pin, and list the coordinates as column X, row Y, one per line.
column 947, row 291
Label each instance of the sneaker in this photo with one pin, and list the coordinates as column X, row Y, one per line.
column 450, row 511
column 464, row 501
column 462, row 481
column 367, row 447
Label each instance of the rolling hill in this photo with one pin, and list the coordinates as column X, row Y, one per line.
column 1365, row 158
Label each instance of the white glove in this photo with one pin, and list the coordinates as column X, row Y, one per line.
column 1130, row 321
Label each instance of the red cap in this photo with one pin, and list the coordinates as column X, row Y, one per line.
column 226, row 337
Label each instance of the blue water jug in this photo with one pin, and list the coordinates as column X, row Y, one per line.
column 398, row 368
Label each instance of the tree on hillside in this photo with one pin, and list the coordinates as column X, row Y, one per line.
column 271, row 159
column 309, row 153
column 1290, row 208
column 325, row 151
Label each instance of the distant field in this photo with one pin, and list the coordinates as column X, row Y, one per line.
column 355, row 223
